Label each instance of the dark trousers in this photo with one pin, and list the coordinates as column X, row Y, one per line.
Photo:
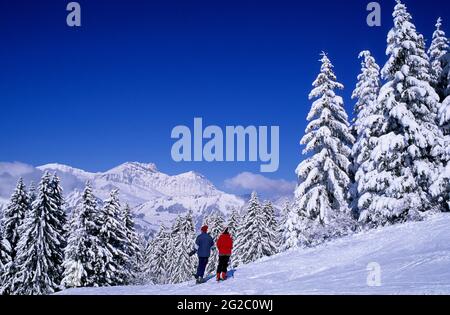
column 223, row 264
column 202, row 262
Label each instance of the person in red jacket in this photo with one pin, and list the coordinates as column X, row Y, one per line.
column 224, row 245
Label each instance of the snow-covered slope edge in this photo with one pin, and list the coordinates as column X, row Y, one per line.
column 414, row 259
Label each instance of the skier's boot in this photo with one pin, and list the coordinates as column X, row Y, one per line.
column 223, row 276
column 218, row 277
column 199, row 280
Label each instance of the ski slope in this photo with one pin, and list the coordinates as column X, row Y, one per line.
column 414, row 259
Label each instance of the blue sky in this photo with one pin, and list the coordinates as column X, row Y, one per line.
column 111, row 91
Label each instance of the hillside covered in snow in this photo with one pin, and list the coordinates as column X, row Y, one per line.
column 414, row 259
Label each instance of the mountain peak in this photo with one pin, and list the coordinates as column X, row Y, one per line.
column 149, row 167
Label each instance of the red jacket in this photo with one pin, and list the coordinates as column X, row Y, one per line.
column 225, row 244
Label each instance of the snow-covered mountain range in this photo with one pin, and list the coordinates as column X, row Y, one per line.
column 154, row 196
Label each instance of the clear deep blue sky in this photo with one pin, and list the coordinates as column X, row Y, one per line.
column 111, row 91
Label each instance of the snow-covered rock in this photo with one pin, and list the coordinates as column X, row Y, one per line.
column 414, row 259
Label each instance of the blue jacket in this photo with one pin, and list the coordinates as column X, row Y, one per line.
column 204, row 244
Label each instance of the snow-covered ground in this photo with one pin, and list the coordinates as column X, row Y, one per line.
column 414, row 259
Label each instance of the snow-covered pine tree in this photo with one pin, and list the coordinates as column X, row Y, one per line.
column 184, row 237
column 14, row 215
column 132, row 245
column 272, row 238
column 113, row 236
column 281, row 224
column 369, row 118
column 234, row 221
column 234, row 224
column 444, row 110
column 143, row 272
column 406, row 153
column 438, row 49
column 32, row 193
column 289, row 233
column 253, row 236
column 13, row 218
column 85, row 254
column 5, row 258
column 216, row 224
column 322, row 194
column 61, row 224
column 40, row 250
column 441, row 186
column 159, row 261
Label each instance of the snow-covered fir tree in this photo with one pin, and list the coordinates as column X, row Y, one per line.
column 253, row 237
column 183, row 237
column 369, row 118
column 40, row 250
column 113, row 235
column 444, row 110
column 441, row 186
column 32, row 193
column 234, row 221
column 13, row 218
column 438, row 49
column 216, row 226
column 406, row 153
column 272, row 228
column 234, row 224
column 132, row 246
column 5, row 258
column 158, row 262
column 289, row 231
column 281, row 224
column 143, row 272
column 85, row 255
column 321, row 196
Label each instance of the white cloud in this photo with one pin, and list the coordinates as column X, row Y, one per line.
column 246, row 182
column 10, row 172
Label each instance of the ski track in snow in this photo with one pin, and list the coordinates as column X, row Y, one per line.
column 414, row 259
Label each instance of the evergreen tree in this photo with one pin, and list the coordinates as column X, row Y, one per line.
column 32, row 193
column 14, row 216
column 183, row 237
column 444, row 113
column 159, row 263
column 216, row 224
column 406, row 153
column 271, row 239
column 438, row 49
column 85, row 254
column 132, row 245
column 253, row 235
column 12, row 220
column 114, row 238
column 5, row 259
column 324, row 176
column 142, row 258
column 40, row 249
column 234, row 222
column 289, row 235
column 369, row 119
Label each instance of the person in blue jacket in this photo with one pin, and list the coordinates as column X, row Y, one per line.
column 203, row 245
